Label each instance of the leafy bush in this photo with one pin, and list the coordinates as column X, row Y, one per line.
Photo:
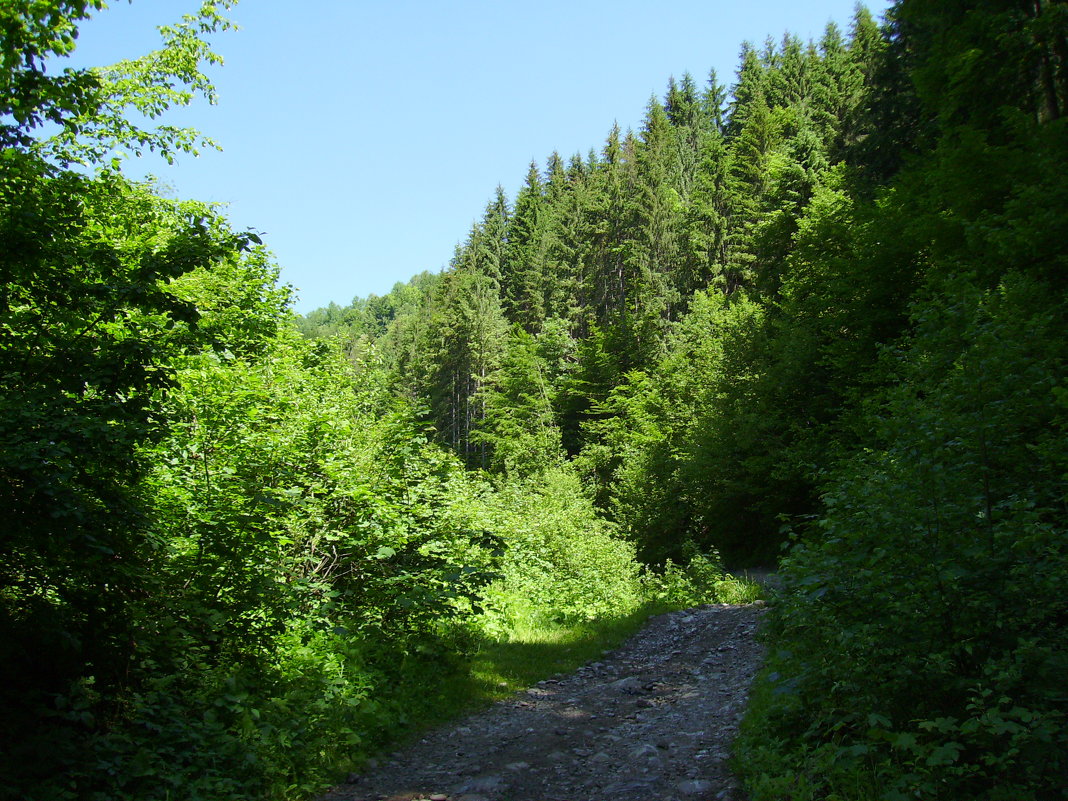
column 306, row 546
column 561, row 561
column 314, row 540
column 920, row 645
column 691, row 585
column 702, row 581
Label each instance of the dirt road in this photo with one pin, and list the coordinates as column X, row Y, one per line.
column 653, row 720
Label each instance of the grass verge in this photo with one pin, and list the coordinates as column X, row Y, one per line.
column 432, row 690
column 497, row 667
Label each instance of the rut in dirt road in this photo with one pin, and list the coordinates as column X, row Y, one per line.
column 653, row 719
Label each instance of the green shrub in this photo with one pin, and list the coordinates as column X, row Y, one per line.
column 920, row 643
column 561, row 562
column 702, row 581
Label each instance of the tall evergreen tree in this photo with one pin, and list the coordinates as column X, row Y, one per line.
column 457, row 345
column 525, row 254
column 713, row 102
column 750, row 90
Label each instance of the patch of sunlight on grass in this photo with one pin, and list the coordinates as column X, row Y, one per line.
column 529, row 653
column 737, row 590
column 529, row 649
column 497, row 667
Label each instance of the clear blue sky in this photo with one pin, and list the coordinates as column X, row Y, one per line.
column 364, row 138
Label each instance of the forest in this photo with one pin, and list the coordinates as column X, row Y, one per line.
column 813, row 318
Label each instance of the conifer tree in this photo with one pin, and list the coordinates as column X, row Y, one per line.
column 752, row 150
column 457, row 344
column 708, row 225
column 653, row 250
column 689, row 123
column 555, row 177
column 750, row 90
column 713, row 101
column 489, row 243
column 601, row 278
column 790, row 83
column 525, row 254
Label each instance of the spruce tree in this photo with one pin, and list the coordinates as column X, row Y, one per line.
column 524, row 263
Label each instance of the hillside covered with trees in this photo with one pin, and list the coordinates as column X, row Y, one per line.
column 815, row 316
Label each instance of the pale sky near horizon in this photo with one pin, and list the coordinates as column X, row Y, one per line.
column 364, row 138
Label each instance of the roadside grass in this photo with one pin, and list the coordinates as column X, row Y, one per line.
column 532, row 653
column 434, row 689
column 495, row 668
column 533, row 650
column 738, row 590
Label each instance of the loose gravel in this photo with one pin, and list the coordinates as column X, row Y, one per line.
column 652, row 720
